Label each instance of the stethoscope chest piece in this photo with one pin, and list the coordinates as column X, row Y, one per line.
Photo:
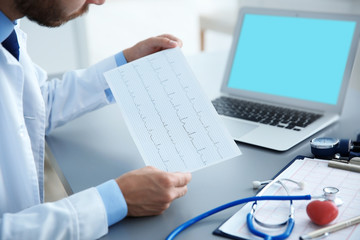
column 330, row 195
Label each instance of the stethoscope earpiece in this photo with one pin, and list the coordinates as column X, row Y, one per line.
column 258, row 184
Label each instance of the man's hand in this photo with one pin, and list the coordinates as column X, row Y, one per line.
column 149, row 191
column 151, row 45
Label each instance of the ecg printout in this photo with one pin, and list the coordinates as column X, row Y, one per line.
column 316, row 175
column 174, row 125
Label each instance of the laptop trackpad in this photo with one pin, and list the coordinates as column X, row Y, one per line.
column 238, row 129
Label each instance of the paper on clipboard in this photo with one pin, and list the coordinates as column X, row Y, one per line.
column 173, row 124
column 316, row 175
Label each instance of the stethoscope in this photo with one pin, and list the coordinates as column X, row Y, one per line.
column 329, row 194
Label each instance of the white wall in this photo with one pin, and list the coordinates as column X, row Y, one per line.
column 120, row 24
column 110, row 28
column 56, row 49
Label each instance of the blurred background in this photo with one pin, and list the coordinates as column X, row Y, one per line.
column 203, row 25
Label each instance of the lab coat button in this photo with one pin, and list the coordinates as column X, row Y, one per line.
column 21, row 130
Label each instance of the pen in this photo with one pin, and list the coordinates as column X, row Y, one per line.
column 344, row 166
column 333, row 228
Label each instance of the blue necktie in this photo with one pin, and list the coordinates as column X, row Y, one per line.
column 11, row 44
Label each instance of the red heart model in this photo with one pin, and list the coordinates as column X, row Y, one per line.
column 322, row 212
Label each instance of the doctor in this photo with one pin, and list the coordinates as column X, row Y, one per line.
column 31, row 106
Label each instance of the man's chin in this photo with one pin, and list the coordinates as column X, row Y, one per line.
column 61, row 20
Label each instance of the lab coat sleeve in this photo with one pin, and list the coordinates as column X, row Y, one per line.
column 80, row 216
column 77, row 93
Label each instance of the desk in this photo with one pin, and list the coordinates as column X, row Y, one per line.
column 97, row 147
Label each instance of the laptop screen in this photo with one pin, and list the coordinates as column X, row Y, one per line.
column 296, row 57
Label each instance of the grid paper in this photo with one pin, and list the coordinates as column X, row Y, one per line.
column 173, row 124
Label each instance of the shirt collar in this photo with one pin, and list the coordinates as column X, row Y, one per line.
column 6, row 26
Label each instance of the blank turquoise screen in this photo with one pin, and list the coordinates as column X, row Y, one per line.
column 294, row 57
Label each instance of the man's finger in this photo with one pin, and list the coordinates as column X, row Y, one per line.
column 181, row 179
column 173, row 38
column 181, row 191
column 165, row 42
column 169, row 36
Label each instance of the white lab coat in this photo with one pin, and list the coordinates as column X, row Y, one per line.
column 29, row 107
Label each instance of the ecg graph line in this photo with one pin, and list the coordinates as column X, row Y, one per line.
column 183, row 121
column 191, row 99
column 176, row 107
column 143, row 117
column 165, row 125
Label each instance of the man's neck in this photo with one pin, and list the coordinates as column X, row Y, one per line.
column 8, row 8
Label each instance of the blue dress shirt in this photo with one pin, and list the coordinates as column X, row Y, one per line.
column 6, row 27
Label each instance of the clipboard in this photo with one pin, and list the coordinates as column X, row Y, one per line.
column 218, row 232
column 317, row 175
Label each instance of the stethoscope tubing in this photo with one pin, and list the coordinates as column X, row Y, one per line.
column 284, row 235
column 192, row 221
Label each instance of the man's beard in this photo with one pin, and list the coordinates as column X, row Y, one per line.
column 46, row 12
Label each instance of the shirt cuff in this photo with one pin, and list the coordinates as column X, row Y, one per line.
column 120, row 59
column 114, row 201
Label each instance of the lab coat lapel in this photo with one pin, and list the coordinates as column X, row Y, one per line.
column 17, row 166
column 34, row 114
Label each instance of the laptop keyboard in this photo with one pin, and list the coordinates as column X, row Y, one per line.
column 262, row 113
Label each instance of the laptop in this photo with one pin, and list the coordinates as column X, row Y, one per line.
column 287, row 75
